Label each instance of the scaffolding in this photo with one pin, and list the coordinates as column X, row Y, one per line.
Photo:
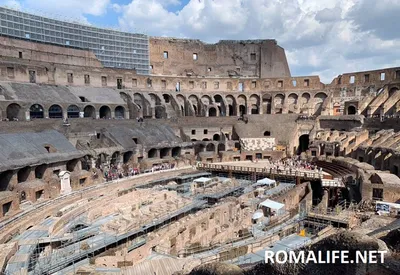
column 115, row 49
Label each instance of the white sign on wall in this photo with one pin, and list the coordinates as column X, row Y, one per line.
column 257, row 144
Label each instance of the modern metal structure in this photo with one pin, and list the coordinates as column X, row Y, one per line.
column 115, row 49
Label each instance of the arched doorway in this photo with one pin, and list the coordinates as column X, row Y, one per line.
column 152, row 153
column 216, row 137
column 176, row 152
column 36, row 111
column 242, row 110
column 89, row 111
column 105, row 112
column 14, row 112
column 119, row 112
column 304, row 141
column 212, row 112
column 210, row 147
column 221, row 147
column 127, row 156
column 55, row 111
column 351, row 110
column 73, row 111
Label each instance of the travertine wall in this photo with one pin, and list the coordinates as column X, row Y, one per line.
column 253, row 58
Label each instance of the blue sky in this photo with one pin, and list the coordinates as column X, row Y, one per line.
column 320, row 37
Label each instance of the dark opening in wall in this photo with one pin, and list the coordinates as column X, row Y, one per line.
column 210, row 147
column 152, row 153
column 134, row 82
column 212, row 112
column 306, row 82
column 176, row 151
column 119, row 83
column 366, row 78
column 304, row 141
column 193, row 132
column 32, row 76
column 20, row 54
column 10, row 72
column 82, row 181
column 87, row 79
column 253, row 56
column 280, row 84
column 5, row 178
column 205, row 131
column 398, row 74
column 164, row 152
column 216, row 137
column 127, row 156
column 267, row 134
column 23, row 174
column 72, row 165
column 6, row 208
column 39, row 194
column 135, row 140
column 40, row 171
column 377, row 194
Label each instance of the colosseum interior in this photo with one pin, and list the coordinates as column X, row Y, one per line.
column 216, row 156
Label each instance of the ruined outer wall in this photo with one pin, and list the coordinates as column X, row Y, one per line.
column 253, row 58
column 47, row 53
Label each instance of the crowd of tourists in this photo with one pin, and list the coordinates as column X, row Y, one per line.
column 291, row 165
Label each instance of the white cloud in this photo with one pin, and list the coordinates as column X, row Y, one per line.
column 320, row 37
column 326, row 38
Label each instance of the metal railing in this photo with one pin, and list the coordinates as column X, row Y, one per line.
column 271, row 171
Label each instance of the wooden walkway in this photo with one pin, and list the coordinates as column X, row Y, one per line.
column 309, row 175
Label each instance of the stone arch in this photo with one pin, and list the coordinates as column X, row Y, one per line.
column 195, row 104
column 319, row 99
column 210, row 147
column 221, row 147
column 254, row 102
column 351, row 110
column 155, row 100
column 242, row 102
column 267, row 103
column 36, row 111
column 181, row 101
column 89, row 111
column 305, row 99
column 73, row 111
column 218, row 99
column 267, row 134
column 115, row 158
column 14, row 112
column 216, row 137
column 212, row 112
column 206, row 100
column 105, row 112
column 231, row 105
column 119, row 112
column 55, row 111
column 279, row 101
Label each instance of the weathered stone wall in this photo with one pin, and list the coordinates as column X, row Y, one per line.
column 253, row 58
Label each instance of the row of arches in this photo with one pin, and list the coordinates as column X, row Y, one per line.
column 230, row 105
column 36, row 111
